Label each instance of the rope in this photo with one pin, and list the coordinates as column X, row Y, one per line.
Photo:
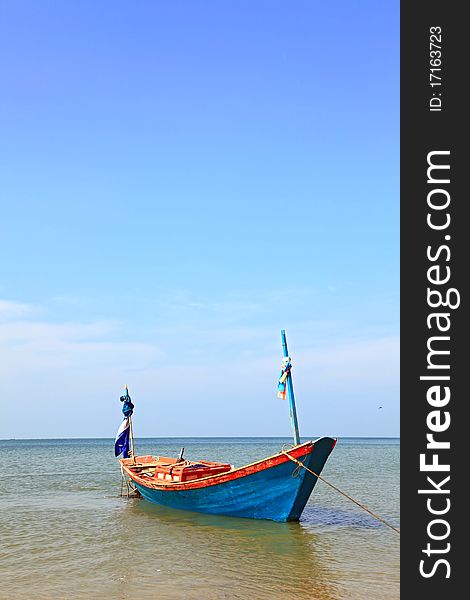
column 301, row 464
column 122, row 480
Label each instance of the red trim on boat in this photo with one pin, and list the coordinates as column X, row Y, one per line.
column 266, row 463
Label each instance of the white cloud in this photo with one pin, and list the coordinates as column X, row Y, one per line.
column 9, row 309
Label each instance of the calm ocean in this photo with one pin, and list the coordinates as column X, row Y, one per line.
column 66, row 533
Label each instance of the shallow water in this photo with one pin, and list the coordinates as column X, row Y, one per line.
column 66, row 533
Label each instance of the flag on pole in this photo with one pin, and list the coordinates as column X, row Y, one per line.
column 282, row 383
column 127, row 406
column 123, row 437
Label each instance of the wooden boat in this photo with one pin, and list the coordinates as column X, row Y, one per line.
column 275, row 488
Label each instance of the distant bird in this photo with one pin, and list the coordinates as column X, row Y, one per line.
column 380, row 406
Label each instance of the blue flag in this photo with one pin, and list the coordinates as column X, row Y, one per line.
column 123, row 437
column 127, row 406
column 122, row 443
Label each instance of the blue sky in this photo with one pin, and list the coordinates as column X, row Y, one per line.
column 179, row 181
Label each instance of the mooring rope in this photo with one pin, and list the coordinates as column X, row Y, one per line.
column 301, row 464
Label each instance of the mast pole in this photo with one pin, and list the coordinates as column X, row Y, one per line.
column 290, row 391
column 132, row 439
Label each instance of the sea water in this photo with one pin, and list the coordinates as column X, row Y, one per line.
column 65, row 531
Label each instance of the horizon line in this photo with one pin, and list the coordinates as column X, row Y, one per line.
column 235, row 437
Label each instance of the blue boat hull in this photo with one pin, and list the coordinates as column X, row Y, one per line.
column 278, row 492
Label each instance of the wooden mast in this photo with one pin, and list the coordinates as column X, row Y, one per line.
column 290, row 391
column 132, row 440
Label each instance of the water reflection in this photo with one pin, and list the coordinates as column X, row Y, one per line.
column 192, row 555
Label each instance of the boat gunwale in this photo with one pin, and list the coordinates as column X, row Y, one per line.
column 279, row 457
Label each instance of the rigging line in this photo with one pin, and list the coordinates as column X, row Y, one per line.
column 301, row 464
